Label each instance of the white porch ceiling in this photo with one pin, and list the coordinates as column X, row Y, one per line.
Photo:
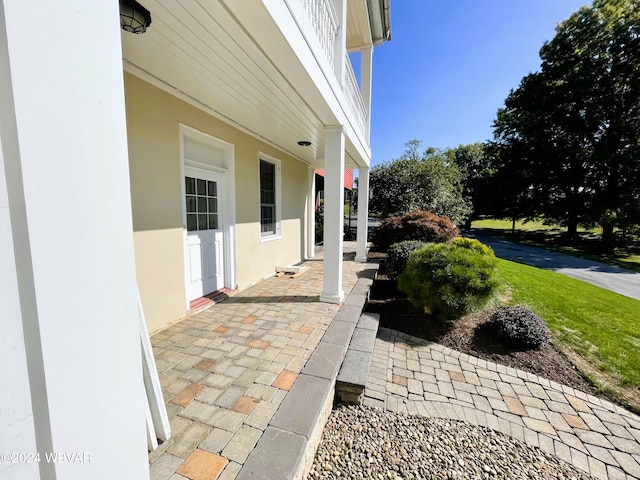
column 358, row 28
column 199, row 52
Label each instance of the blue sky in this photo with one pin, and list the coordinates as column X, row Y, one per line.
column 450, row 65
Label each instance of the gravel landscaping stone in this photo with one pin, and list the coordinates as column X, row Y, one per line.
column 367, row 442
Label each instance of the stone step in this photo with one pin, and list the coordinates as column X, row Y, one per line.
column 353, row 373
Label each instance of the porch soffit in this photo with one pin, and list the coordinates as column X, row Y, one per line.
column 203, row 55
column 358, row 26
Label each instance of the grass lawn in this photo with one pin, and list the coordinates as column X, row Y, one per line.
column 532, row 226
column 602, row 327
column 551, row 237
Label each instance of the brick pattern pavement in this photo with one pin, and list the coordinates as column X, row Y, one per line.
column 412, row 376
column 225, row 371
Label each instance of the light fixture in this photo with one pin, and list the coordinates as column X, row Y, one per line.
column 134, row 17
column 304, row 143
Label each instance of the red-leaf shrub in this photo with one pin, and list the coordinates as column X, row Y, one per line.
column 419, row 225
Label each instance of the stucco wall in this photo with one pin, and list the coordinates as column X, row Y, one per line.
column 153, row 119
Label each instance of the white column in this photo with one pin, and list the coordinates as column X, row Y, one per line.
column 340, row 48
column 363, row 214
column 333, row 214
column 311, row 213
column 70, row 358
column 18, row 418
column 366, row 69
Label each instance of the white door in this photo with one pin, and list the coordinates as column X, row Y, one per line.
column 205, row 253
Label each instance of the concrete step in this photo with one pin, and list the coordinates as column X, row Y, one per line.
column 353, row 373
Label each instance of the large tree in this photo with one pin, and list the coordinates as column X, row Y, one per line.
column 477, row 170
column 419, row 180
column 572, row 130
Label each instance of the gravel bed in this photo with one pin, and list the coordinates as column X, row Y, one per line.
column 367, row 442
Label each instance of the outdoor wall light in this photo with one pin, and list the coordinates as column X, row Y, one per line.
column 304, row 143
column 134, row 17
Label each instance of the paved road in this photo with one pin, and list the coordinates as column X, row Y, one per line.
column 619, row 280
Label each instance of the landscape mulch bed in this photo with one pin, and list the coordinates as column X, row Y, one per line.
column 466, row 335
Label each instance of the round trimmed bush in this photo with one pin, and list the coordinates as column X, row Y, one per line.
column 474, row 245
column 419, row 225
column 519, row 327
column 398, row 257
column 450, row 279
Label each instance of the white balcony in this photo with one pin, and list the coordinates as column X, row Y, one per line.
column 277, row 69
column 323, row 18
column 354, row 97
column 320, row 24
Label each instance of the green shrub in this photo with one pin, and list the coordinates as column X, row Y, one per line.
column 450, row 279
column 398, row 257
column 519, row 327
column 319, row 232
column 419, row 225
column 387, row 233
column 473, row 245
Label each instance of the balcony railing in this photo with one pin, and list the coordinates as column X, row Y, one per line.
column 321, row 16
column 354, row 97
column 324, row 21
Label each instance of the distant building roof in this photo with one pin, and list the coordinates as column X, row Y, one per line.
column 348, row 177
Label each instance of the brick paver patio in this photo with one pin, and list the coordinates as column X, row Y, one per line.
column 225, row 371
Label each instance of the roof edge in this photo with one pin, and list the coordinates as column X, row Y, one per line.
column 379, row 20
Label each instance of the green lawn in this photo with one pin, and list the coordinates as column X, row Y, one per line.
column 551, row 237
column 601, row 326
column 532, row 226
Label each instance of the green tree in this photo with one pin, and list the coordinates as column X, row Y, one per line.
column 572, row 129
column 418, row 180
column 477, row 170
column 508, row 187
column 537, row 171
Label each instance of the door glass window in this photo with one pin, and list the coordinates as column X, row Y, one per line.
column 190, row 186
column 202, row 204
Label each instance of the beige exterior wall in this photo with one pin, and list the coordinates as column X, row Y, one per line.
column 153, row 119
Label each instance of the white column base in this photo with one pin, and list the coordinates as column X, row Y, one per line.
column 332, row 298
column 364, row 259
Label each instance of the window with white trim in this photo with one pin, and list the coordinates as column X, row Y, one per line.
column 269, row 198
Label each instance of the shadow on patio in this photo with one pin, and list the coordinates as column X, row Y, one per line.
column 226, row 370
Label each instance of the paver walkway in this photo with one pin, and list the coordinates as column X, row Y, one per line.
column 413, row 376
column 225, row 371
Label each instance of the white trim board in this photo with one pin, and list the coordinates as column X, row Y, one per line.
column 157, row 420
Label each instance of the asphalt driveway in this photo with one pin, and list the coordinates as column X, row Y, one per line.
column 616, row 279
